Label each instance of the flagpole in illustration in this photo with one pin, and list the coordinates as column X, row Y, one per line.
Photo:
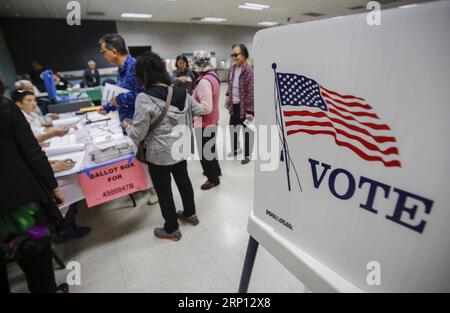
column 284, row 153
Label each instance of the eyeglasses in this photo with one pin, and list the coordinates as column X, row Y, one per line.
column 235, row 55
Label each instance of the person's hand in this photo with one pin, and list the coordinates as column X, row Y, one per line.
column 182, row 79
column 126, row 123
column 53, row 116
column 58, row 195
column 113, row 101
column 61, row 166
column 102, row 111
column 58, row 131
column 227, row 103
column 249, row 117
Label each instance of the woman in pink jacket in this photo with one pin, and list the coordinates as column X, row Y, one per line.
column 207, row 92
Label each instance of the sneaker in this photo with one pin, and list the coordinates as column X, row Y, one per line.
column 193, row 220
column 208, row 185
column 161, row 233
column 76, row 233
column 234, row 153
column 63, row 288
column 152, row 198
column 245, row 161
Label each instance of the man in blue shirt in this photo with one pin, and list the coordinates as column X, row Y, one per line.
column 114, row 50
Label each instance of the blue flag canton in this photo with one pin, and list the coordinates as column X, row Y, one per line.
column 299, row 90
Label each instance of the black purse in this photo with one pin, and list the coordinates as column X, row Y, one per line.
column 142, row 149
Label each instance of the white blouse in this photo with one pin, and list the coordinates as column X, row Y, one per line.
column 35, row 123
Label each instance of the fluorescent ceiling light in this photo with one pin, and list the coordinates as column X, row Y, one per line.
column 213, row 19
column 254, row 6
column 408, row 6
column 136, row 15
column 267, row 23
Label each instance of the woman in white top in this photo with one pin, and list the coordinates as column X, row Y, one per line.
column 26, row 101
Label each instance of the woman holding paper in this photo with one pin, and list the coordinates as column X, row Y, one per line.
column 28, row 203
column 240, row 100
column 183, row 75
column 26, row 101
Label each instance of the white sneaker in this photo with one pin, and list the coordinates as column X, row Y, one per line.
column 232, row 154
column 152, row 198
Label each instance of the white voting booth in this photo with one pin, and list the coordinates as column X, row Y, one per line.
column 370, row 149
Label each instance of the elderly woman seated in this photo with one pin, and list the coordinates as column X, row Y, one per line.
column 26, row 101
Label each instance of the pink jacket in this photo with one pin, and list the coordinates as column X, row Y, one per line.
column 207, row 93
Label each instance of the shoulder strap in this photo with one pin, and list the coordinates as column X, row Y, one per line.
column 211, row 73
column 159, row 119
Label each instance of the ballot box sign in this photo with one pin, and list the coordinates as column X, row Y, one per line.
column 112, row 181
column 362, row 114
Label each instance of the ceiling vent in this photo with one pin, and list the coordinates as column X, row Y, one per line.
column 93, row 13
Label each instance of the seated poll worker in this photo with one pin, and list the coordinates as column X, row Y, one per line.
column 91, row 76
column 42, row 102
column 26, row 101
column 60, row 82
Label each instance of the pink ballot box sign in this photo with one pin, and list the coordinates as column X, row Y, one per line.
column 113, row 181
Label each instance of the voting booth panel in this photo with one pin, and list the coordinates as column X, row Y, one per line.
column 361, row 196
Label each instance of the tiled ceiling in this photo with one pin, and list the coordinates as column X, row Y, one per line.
column 183, row 11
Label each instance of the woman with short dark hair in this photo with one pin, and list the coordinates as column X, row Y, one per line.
column 183, row 75
column 151, row 106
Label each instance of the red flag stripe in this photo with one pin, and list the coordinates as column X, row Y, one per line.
column 379, row 139
column 341, row 96
column 351, row 118
column 349, row 104
column 363, row 155
column 365, row 143
column 356, row 113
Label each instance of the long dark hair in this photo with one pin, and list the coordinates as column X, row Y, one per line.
column 150, row 69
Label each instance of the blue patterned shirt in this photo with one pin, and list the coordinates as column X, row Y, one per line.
column 126, row 79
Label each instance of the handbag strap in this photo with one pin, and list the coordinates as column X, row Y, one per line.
column 159, row 119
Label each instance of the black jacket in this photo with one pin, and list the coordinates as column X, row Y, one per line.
column 25, row 173
column 91, row 80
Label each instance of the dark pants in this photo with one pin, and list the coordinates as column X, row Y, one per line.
column 210, row 164
column 38, row 269
column 235, row 120
column 161, row 177
column 70, row 218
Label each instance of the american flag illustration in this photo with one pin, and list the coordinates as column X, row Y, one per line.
column 309, row 108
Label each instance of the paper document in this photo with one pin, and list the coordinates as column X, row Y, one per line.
column 66, row 121
column 250, row 125
column 52, row 151
column 112, row 91
column 77, row 157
